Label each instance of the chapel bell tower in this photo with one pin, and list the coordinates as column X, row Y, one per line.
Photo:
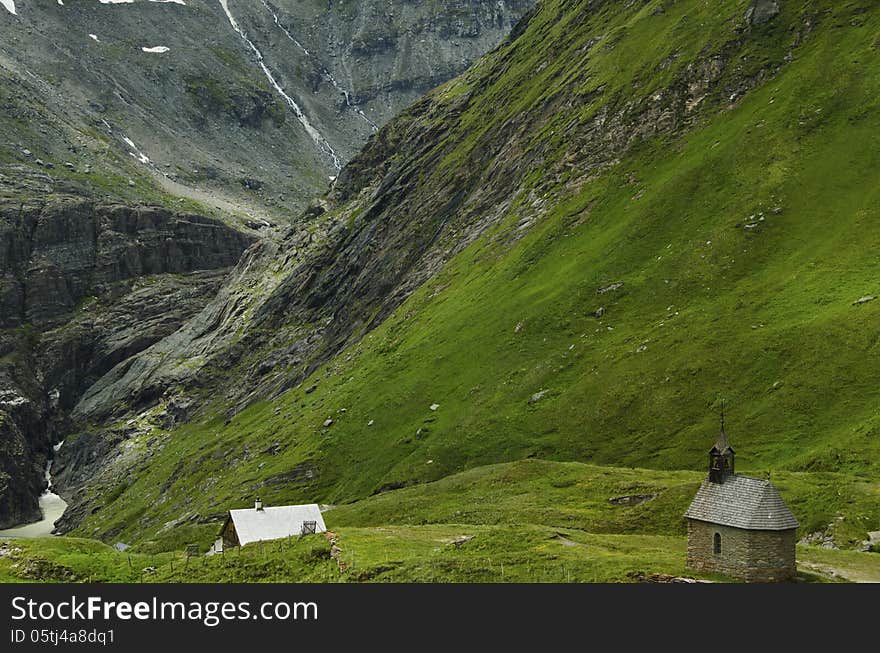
column 721, row 457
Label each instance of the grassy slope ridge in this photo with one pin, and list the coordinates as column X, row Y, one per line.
column 395, row 554
column 433, row 553
column 529, row 521
column 763, row 316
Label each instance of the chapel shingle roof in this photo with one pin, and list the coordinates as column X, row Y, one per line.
column 742, row 502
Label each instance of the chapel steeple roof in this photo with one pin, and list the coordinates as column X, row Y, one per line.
column 721, row 444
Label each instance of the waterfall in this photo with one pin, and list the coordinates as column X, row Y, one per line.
column 324, row 71
column 319, row 139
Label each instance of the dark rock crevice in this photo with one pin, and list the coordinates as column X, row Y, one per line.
column 96, row 284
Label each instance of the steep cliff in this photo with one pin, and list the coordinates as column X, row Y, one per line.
column 26, row 431
column 85, row 286
column 57, row 251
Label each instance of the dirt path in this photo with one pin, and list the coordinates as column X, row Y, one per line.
column 848, row 574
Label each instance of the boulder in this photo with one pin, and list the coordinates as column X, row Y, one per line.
column 762, row 11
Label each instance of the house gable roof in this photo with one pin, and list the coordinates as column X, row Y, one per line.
column 274, row 522
column 742, row 502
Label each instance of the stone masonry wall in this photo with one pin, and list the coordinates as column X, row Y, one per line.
column 755, row 556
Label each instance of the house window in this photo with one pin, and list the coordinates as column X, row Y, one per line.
column 717, row 547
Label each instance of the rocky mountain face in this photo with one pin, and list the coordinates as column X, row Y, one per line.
column 503, row 253
column 84, row 286
column 246, row 107
column 369, row 60
column 233, row 113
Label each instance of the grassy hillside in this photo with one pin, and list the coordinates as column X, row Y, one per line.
column 588, row 498
column 722, row 258
column 444, row 553
column 530, row 521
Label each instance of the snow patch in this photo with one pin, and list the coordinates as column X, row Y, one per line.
column 137, row 154
column 10, row 6
column 95, row 38
column 158, row 49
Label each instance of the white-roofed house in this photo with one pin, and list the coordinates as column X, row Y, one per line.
column 263, row 523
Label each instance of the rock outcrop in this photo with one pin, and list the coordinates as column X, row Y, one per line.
column 84, row 287
column 762, row 11
column 54, row 255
